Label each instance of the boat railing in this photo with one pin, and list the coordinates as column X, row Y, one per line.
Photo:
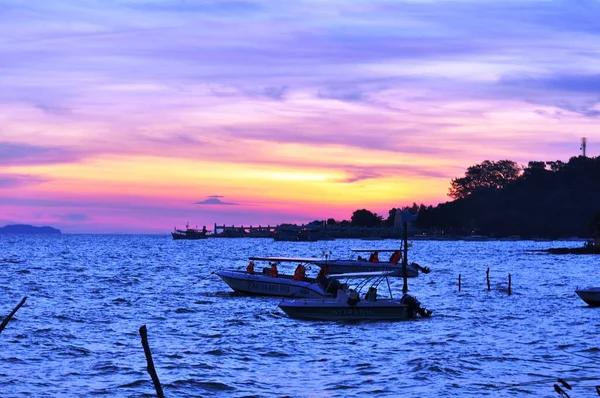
column 370, row 282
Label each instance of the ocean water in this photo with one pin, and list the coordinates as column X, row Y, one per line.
column 87, row 295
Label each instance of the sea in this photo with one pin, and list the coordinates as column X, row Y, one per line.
column 77, row 335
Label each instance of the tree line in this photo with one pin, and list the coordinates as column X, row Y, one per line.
column 549, row 199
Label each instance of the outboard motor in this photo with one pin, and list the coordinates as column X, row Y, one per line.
column 414, row 306
column 424, row 270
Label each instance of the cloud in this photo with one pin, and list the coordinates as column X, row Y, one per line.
column 24, row 154
column 221, row 7
column 276, row 93
column 53, row 109
column 360, row 175
column 178, row 43
column 20, row 180
column 73, row 217
column 368, row 89
column 573, row 93
column 357, row 174
column 343, row 95
column 587, row 84
column 214, row 200
column 583, row 109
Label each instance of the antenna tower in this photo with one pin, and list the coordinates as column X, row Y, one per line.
column 583, row 145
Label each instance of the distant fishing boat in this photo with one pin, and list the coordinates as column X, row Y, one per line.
column 189, row 233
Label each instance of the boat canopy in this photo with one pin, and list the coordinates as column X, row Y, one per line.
column 375, row 250
column 286, row 259
column 363, row 275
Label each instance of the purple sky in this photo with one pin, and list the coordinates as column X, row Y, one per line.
column 108, row 108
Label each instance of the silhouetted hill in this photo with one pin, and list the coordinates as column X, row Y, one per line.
column 28, row 229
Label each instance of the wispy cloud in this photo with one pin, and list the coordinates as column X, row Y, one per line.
column 21, row 154
column 19, row 180
column 73, row 217
column 574, row 93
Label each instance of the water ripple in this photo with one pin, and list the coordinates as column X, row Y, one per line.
column 89, row 294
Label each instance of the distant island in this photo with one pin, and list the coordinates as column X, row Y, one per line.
column 29, row 229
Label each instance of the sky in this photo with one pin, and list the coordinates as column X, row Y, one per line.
column 136, row 116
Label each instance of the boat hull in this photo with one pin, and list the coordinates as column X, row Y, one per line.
column 187, row 236
column 351, row 266
column 322, row 310
column 264, row 285
column 590, row 296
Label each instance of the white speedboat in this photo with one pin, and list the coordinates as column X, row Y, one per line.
column 268, row 281
column 348, row 305
column 371, row 264
column 590, row 295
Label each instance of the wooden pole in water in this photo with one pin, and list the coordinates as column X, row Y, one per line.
column 150, row 363
column 5, row 321
column 405, row 258
column 487, row 276
column 509, row 284
column 459, row 282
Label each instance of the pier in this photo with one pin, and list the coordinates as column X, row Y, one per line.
column 304, row 232
column 232, row 231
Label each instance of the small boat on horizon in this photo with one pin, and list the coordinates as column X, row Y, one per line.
column 190, row 233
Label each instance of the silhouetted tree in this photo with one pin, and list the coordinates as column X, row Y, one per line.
column 485, row 176
column 331, row 221
column 555, row 165
column 534, row 167
column 389, row 221
column 365, row 218
column 550, row 199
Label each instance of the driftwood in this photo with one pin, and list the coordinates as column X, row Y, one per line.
column 150, row 363
column 5, row 321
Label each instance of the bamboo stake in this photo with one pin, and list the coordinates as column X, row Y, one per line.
column 487, row 276
column 405, row 259
column 150, row 363
column 5, row 321
column 459, row 282
column 509, row 284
